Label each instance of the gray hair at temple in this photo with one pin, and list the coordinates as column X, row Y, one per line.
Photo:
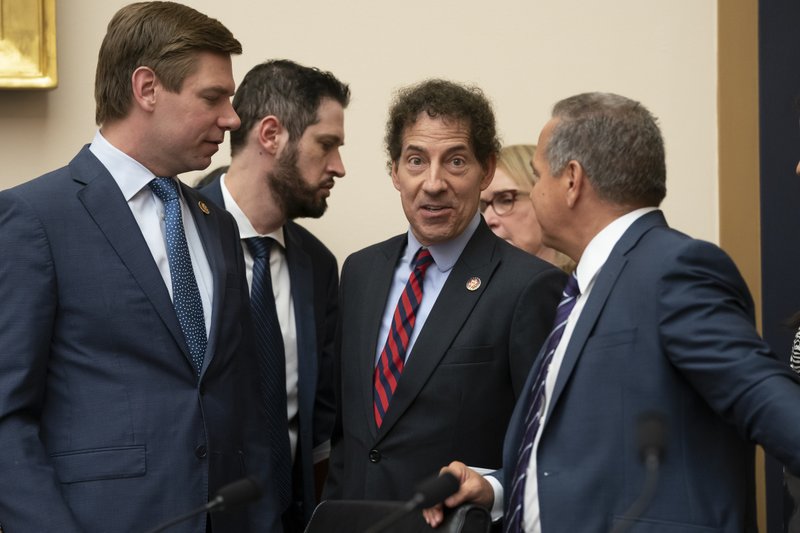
column 618, row 143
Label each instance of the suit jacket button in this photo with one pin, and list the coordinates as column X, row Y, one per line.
column 200, row 452
column 202, row 390
column 374, row 456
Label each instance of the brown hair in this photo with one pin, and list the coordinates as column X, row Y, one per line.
column 164, row 36
column 447, row 100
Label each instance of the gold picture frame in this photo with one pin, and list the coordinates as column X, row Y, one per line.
column 28, row 44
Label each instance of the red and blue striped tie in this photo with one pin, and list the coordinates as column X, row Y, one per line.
column 392, row 360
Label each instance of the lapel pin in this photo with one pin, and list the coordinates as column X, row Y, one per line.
column 203, row 207
column 473, row 284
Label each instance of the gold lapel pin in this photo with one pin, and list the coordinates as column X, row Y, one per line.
column 473, row 284
column 203, row 207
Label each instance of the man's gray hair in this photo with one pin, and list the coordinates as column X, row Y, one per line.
column 617, row 142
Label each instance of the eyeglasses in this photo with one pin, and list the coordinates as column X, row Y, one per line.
column 502, row 202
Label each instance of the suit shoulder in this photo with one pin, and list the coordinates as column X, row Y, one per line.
column 309, row 242
column 519, row 260
column 386, row 248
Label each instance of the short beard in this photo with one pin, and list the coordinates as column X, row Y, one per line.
column 294, row 196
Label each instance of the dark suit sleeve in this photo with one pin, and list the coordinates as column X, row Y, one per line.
column 325, row 402
column 533, row 320
column 706, row 325
column 333, row 483
column 30, row 499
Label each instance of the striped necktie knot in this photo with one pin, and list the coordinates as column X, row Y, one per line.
column 259, row 246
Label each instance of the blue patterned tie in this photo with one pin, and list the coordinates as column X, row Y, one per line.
column 272, row 365
column 185, row 295
column 392, row 359
column 536, row 401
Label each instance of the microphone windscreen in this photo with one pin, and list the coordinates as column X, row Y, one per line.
column 434, row 490
column 651, row 432
column 237, row 493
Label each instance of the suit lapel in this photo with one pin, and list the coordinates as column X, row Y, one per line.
column 302, row 287
column 447, row 317
column 105, row 204
column 208, row 228
column 603, row 285
column 376, row 292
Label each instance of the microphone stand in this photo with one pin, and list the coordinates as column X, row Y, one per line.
column 651, row 432
column 396, row 515
column 163, row 527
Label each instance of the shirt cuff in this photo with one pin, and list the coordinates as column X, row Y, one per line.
column 497, row 507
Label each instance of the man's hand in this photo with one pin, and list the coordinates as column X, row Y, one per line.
column 473, row 488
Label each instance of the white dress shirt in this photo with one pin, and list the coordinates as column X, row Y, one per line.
column 148, row 210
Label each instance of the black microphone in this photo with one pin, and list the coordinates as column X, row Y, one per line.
column 651, row 432
column 229, row 497
column 427, row 494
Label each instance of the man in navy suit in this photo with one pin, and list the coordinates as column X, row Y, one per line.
column 485, row 309
column 125, row 377
column 664, row 323
column 284, row 161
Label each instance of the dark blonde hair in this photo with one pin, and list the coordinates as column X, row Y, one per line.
column 164, row 36
column 515, row 160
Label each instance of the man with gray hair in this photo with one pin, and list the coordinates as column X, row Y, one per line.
column 285, row 157
column 660, row 340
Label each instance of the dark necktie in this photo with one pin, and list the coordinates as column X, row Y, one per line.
column 392, row 359
column 536, row 401
column 185, row 295
column 272, row 365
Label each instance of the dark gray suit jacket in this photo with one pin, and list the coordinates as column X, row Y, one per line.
column 104, row 424
column 458, row 389
column 314, row 277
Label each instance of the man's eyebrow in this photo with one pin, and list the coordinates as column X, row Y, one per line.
column 329, row 137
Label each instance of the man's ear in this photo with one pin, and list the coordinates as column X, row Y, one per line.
column 577, row 182
column 395, row 180
column 489, row 168
column 272, row 136
column 145, row 86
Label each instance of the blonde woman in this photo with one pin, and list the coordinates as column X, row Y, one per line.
column 507, row 207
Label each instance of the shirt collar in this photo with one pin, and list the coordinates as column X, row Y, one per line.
column 130, row 175
column 445, row 254
column 599, row 248
column 246, row 229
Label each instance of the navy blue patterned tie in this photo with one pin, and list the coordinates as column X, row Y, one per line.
column 185, row 295
column 536, row 402
column 272, row 365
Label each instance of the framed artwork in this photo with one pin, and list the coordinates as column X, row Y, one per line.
column 28, row 44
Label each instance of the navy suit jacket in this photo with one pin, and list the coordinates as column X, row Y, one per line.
column 668, row 327
column 314, row 278
column 466, row 370
column 104, row 424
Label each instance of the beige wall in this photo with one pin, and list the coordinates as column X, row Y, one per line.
column 526, row 54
